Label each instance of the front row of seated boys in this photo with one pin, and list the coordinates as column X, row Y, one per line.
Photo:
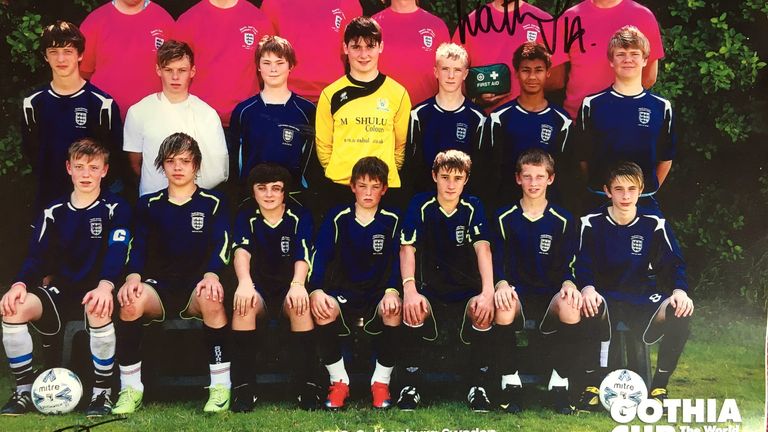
column 404, row 278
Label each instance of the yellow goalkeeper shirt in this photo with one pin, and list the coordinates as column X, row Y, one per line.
column 356, row 119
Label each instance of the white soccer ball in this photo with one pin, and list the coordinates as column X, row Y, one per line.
column 56, row 391
column 622, row 384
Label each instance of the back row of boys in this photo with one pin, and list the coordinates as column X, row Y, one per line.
column 415, row 34
column 359, row 50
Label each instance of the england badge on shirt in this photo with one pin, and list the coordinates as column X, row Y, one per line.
column 285, row 244
column 378, row 243
column 644, row 116
column 461, row 131
column 287, row 136
column 96, row 227
column 637, row 244
column 545, row 242
column 198, row 221
column 546, row 132
column 460, row 234
column 81, row 116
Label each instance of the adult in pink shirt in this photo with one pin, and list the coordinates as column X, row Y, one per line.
column 491, row 47
column 121, row 41
column 224, row 35
column 315, row 28
column 410, row 37
column 590, row 70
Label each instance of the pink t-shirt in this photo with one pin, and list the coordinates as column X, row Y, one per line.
column 315, row 28
column 121, row 51
column 590, row 70
column 491, row 47
column 224, row 42
column 410, row 42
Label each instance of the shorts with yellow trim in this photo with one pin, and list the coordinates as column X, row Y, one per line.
column 175, row 297
column 358, row 310
column 445, row 316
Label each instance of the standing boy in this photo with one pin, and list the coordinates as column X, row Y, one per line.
column 599, row 20
column 81, row 242
column 321, row 54
column 625, row 122
column 271, row 259
column 275, row 125
column 355, row 271
column 528, row 121
column 65, row 110
column 363, row 113
column 445, row 259
column 180, row 247
column 533, row 248
column 630, row 269
column 172, row 110
column 445, row 121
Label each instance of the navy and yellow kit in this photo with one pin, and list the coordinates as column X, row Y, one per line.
column 180, row 241
column 275, row 248
column 355, row 260
column 446, row 262
column 534, row 255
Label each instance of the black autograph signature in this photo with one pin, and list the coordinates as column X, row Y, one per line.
column 483, row 22
column 87, row 428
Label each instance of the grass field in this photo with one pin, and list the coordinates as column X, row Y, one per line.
column 723, row 359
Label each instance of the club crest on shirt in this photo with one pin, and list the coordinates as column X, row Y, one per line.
column 461, row 231
column 285, row 244
column 644, row 116
column 338, row 17
column 96, row 227
column 287, row 135
column 198, row 221
column 461, row 130
column 546, row 132
column 637, row 244
column 158, row 37
column 545, row 242
column 382, row 104
column 427, row 38
column 249, row 36
column 81, row 116
column 531, row 32
column 378, row 243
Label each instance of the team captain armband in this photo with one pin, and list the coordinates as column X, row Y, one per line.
column 493, row 78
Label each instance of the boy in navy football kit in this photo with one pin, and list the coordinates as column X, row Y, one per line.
column 355, row 272
column 80, row 243
column 528, row 121
column 272, row 243
column 181, row 245
column 445, row 259
column 626, row 122
column 533, row 248
column 630, row 269
column 65, row 110
column 276, row 125
column 445, row 121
